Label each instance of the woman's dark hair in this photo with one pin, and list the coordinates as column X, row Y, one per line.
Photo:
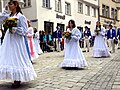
column 18, row 9
column 73, row 22
column 99, row 25
column 35, row 30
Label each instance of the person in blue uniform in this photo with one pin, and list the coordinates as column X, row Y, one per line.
column 111, row 36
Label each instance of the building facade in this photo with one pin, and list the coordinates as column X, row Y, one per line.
column 109, row 12
column 48, row 14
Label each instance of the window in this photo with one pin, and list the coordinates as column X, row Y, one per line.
column 27, row 3
column 116, row 14
column 112, row 12
column 46, row 3
column 87, row 10
column 80, row 7
column 107, row 11
column 93, row 11
column 103, row 10
column 67, row 8
column 58, row 6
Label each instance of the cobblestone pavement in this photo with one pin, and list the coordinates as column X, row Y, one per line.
column 101, row 74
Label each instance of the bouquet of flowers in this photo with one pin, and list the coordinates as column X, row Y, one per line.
column 97, row 31
column 67, row 35
column 9, row 23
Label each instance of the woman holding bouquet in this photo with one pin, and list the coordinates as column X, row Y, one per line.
column 15, row 63
column 100, row 47
column 73, row 54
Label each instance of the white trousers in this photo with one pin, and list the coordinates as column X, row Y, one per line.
column 118, row 43
column 111, row 45
column 86, row 44
column 58, row 44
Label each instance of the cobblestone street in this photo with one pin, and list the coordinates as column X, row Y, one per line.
column 101, row 74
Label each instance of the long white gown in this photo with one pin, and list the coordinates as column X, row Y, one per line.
column 100, row 48
column 73, row 54
column 37, row 43
column 32, row 47
column 15, row 62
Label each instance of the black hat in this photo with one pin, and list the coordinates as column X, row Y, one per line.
column 110, row 25
column 86, row 27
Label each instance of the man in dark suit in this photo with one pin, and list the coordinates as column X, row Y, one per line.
column 111, row 36
column 118, row 35
column 58, row 36
column 87, row 36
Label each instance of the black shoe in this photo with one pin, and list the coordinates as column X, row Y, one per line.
column 84, row 51
column 16, row 84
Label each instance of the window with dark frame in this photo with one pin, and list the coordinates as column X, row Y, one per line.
column 80, row 7
column 46, row 3
column 67, row 8
column 58, row 6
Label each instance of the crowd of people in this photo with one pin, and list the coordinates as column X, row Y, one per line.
column 22, row 44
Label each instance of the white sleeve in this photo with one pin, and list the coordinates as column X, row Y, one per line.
column 102, row 31
column 0, row 34
column 4, row 15
column 30, row 32
column 22, row 28
column 76, row 35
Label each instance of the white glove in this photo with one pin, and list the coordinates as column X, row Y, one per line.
column 113, row 37
column 14, row 29
column 89, row 37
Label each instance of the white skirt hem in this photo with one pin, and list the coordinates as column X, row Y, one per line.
column 73, row 63
column 18, row 74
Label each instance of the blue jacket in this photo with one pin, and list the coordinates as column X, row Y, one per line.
column 118, row 32
column 57, row 34
column 88, row 33
column 109, row 36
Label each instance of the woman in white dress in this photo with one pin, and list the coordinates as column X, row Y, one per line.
column 0, row 36
column 73, row 54
column 15, row 62
column 37, row 42
column 100, row 47
column 30, row 33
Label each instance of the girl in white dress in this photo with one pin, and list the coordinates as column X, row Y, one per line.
column 37, row 42
column 15, row 62
column 30, row 33
column 73, row 54
column 100, row 47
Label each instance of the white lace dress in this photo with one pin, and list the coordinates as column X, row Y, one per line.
column 100, row 48
column 15, row 63
column 73, row 54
